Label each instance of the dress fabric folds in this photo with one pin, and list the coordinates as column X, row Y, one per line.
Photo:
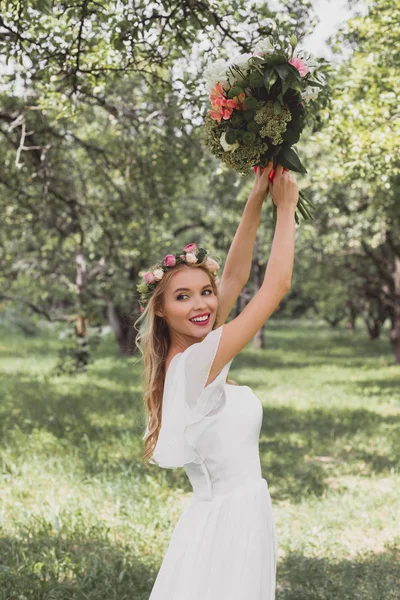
column 225, row 544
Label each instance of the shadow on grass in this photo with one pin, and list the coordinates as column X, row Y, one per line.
column 299, row 449
column 386, row 389
column 45, row 564
column 373, row 576
column 42, row 563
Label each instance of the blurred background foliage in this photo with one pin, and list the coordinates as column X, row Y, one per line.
column 103, row 170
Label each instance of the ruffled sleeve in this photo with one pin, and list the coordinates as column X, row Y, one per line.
column 186, row 401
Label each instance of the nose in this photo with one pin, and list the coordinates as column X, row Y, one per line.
column 200, row 303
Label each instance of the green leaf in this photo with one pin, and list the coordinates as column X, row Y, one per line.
column 273, row 79
column 231, row 136
column 267, row 74
column 236, row 120
column 249, row 115
column 289, row 159
column 251, row 102
column 235, row 91
column 256, row 79
column 249, row 138
column 277, row 107
column 253, row 126
column 283, row 71
column 315, row 83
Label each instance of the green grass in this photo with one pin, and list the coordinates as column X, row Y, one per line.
column 82, row 518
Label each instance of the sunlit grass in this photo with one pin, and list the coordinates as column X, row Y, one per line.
column 82, row 518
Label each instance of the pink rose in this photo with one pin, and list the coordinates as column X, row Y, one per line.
column 191, row 258
column 149, row 277
column 300, row 66
column 170, row 260
column 212, row 264
column 191, row 248
column 141, row 309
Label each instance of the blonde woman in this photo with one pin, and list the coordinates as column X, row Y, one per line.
column 224, row 546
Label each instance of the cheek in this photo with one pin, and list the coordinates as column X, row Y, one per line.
column 213, row 302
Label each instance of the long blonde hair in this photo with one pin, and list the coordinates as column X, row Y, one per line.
column 153, row 341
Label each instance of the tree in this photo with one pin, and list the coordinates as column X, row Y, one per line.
column 91, row 191
column 357, row 181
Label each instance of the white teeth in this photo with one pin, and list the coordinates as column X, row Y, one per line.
column 200, row 318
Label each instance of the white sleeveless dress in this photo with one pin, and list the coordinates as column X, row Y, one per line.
column 224, row 545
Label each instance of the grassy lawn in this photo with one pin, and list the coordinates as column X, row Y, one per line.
column 82, row 518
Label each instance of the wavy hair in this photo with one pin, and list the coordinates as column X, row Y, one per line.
column 153, row 341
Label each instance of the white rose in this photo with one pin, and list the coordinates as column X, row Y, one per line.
column 239, row 60
column 191, row 258
column 227, row 147
column 264, row 46
column 215, row 72
column 158, row 274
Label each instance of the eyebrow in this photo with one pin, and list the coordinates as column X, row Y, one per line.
column 188, row 289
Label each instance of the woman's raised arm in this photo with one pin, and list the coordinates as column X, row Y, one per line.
column 277, row 280
column 238, row 261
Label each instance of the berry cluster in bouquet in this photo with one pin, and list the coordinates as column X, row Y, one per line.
column 260, row 104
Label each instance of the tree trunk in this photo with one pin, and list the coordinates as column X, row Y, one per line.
column 258, row 340
column 123, row 329
column 353, row 312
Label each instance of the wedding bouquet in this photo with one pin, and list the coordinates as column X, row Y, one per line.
column 260, row 103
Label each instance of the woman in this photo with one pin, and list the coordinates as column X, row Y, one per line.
column 224, row 545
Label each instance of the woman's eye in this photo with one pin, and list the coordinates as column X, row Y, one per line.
column 180, row 295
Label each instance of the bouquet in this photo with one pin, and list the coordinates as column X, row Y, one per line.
column 260, row 104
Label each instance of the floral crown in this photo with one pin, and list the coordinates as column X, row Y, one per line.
column 191, row 255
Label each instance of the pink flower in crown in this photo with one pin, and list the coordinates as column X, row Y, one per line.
column 149, row 277
column 169, row 260
column 191, row 258
column 212, row 264
column 182, row 256
column 141, row 308
column 300, row 66
column 191, row 248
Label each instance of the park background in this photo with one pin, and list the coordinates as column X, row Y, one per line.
column 103, row 171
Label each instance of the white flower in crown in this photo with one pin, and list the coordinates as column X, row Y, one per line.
column 212, row 264
column 191, row 258
column 158, row 274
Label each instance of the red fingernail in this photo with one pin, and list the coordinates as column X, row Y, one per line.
column 255, row 169
column 271, row 175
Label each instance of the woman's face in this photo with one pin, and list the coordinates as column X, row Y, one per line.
column 189, row 294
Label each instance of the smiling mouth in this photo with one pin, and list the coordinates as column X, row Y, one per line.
column 203, row 320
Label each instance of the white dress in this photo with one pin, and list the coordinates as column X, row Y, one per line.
column 224, row 545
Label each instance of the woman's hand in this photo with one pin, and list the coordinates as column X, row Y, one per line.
column 284, row 190
column 262, row 184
